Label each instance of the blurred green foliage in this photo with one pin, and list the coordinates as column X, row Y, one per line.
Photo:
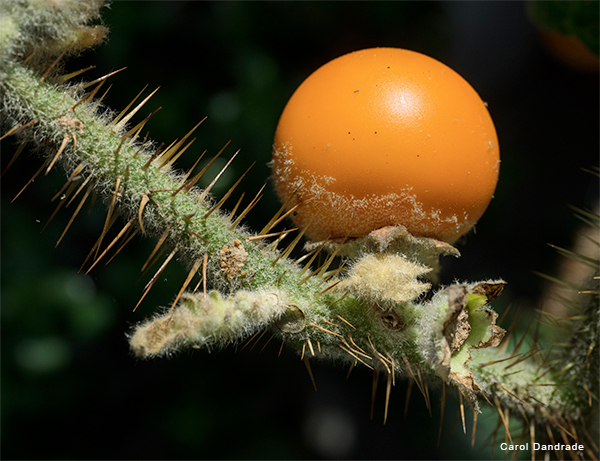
column 579, row 19
column 70, row 388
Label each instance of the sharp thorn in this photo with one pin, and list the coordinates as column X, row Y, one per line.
column 88, row 97
column 175, row 148
column 120, row 234
column 81, row 186
column 18, row 128
column 274, row 234
column 462, row 410
column 198, row 285
column 329, row 260
column 104, row 77
column 387, row 396
column 265, row 345
column 312, row 259
column 247, row 341
column 543, row 410
column 356, row 357
column 145, row 200
column 165, row 154
column 374, row 390
column 60, row 149
column 333, row 285
column 325, row 330
column 130, row 234
column 30, row 181
column 285, row 253
column 352, row 365
column 502, row 417
column 152, row 281
column 237, row 205
column 124, row 111
column 305, row 279
column 109, row 214
column 161, row 240
column 120, row 125
column 49, row 68
column 514, row 395
column 189, row 172
column 280, row 278
column 442, row 406
column 273, row 246
column 195, row 234
column 191, row 182
column 204, row 265
column 408, row 394
column 532, row 352
column 248, row 208
column 532, row 437
column 214, row 181
column 378, row 355
column 151, row 159
column 176, row 157
column 262, row 333
column 345, row 321
column 14, row 157
column 98, row 242
column 359, row 350
column 85, row 196
column 312, row 378
column 190, row 275
column 83, row 99
column 60, row 204
column 310, row 346
column 134, row 131
column 276, row 219
column 64, row 78
column 426, row 386
column 475, row 429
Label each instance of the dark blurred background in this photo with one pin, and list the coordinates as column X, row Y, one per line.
column 70, row 387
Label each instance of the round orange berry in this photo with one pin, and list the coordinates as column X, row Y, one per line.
column 383, row 137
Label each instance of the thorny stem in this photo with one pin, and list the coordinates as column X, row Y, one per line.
column 370, row 312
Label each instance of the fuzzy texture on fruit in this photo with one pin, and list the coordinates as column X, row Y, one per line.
column 382, row 137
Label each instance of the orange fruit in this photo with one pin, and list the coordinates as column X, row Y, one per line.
column 381, row 137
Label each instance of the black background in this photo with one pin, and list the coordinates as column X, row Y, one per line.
column 70, row 387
